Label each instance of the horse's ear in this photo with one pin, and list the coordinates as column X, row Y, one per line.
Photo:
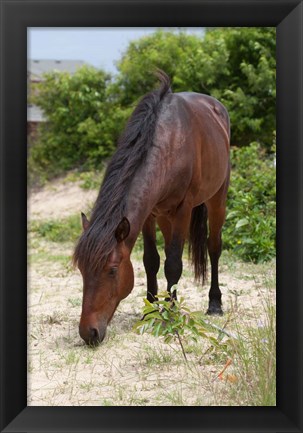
column 123, row 229
column 85, row 222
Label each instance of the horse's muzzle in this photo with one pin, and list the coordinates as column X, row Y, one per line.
column 92, row 335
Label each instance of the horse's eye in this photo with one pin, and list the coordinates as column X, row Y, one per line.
column 113, row 272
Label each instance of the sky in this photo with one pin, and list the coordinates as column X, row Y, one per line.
column 99, row 47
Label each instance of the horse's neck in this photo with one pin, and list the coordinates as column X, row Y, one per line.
column 142, row 198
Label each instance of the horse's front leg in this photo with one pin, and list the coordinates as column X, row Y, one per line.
column 173, row 265
column 151, row 258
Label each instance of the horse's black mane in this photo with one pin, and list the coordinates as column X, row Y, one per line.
column 97, row 242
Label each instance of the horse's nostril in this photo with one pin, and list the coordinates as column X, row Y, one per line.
column 94, row 334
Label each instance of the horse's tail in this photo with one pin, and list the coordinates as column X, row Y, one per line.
column 197, row 243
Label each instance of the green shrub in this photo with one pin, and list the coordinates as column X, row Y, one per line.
column 58, row 230
column 83, row 122
column 250, row 227
column 88, row 180
column 173, row 321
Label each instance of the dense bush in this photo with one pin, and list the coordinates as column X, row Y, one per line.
column 238, row 66
column 250, row 227
column 82, row 124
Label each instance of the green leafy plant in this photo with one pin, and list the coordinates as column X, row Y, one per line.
column 82, row 121
column 250, row 227
column 172, row 320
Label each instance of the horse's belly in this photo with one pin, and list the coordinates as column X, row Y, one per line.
column 211, row 169
column 169, row 205
column 207, row 190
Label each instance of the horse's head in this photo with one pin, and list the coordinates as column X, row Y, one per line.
column 105, row 287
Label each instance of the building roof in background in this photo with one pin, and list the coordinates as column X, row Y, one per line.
column 36, row 68
column 34, row 114
column 35, row 71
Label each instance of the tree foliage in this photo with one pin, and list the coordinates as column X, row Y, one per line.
column 82, row 122
column 163, row 50
column 87, row 111
column 245, row 82
column 235, row 65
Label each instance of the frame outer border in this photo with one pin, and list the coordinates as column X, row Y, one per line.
column 16, row 16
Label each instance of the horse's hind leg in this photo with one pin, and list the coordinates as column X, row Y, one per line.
column 151, row 258
column 216, row 217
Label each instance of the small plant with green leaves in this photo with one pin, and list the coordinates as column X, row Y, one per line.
column 172, row 320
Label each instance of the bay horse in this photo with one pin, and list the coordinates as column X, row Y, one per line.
column 172, row 168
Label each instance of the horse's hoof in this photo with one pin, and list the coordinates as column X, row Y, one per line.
column 214, row 312
column 214, row 309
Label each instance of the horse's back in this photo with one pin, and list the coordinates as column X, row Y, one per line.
column 190, row 154
column 199, row 137
column 205, row 106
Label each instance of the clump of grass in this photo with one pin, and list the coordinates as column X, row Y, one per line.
column 249, row 360
column 75, row 302
column 54, row 230
column 89, row 180
column 157, row 356
column 45, row 256
column 106, row 402
column 71, row 358
column 254, row 360
column 54, row 319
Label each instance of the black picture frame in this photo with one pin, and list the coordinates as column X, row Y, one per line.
column 16, row 17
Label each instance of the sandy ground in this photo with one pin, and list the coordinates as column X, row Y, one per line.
column 127, row 369
column 59, row 199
